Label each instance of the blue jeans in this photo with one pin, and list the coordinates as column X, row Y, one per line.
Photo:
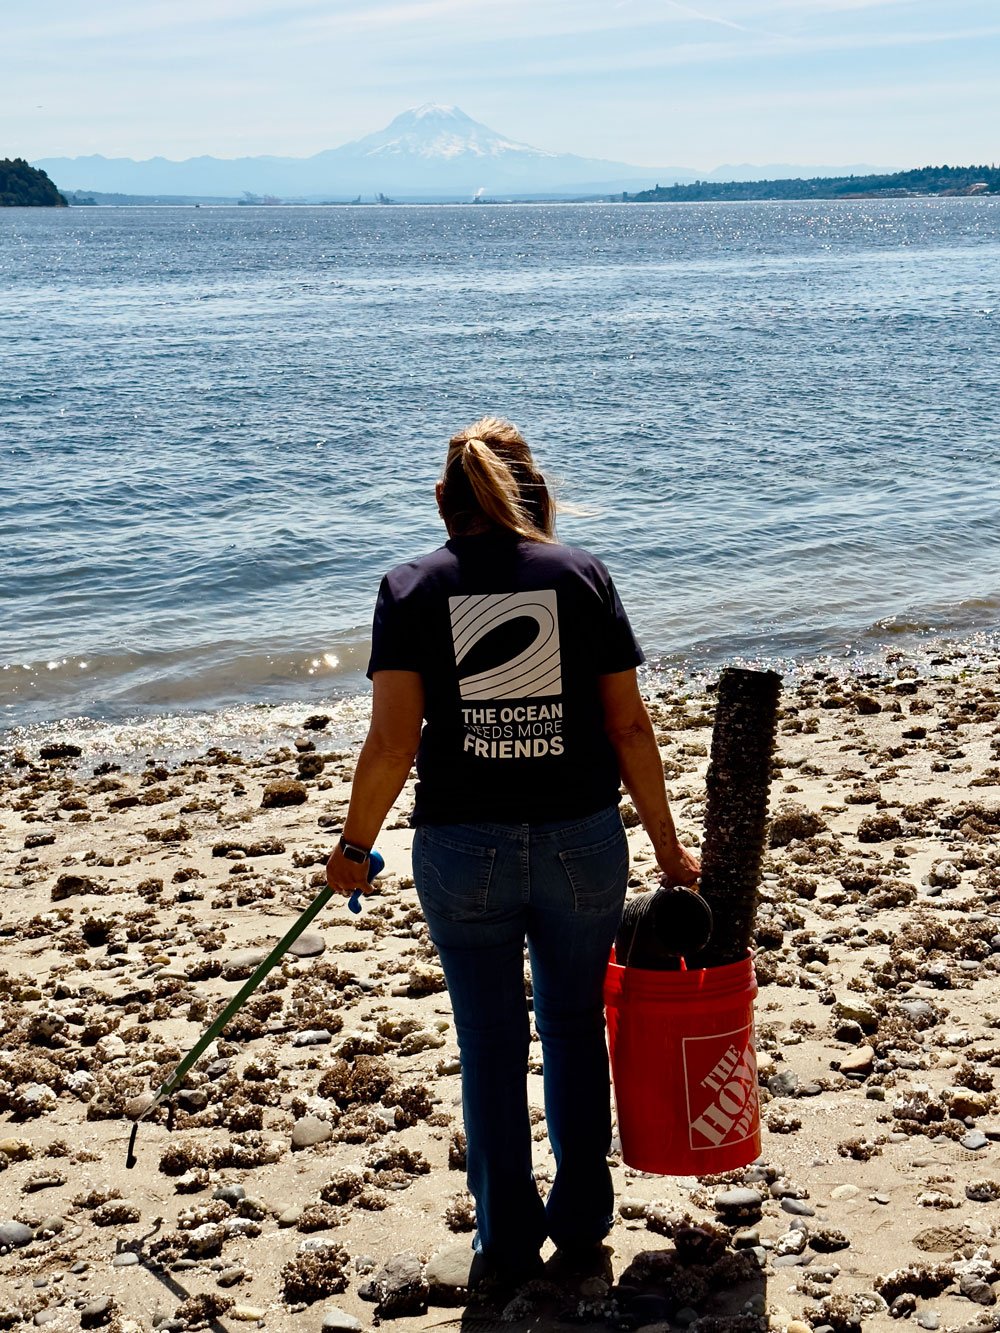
column 485, row 889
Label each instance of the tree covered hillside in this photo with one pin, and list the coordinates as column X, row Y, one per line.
column 898, row 184
column 23, row 186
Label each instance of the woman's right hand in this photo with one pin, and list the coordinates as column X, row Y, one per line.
column 680, row 867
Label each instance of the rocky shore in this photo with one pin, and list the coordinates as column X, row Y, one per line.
column 311, row 1175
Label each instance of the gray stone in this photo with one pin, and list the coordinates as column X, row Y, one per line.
column 974, row 1140
column 126, row 1259
column 975, row 1288
column 685, row 1316
column 308, row 945
column 231, row 1194
column 311, row 1130
column 13, row 1234
column 336, row 1320
column 783, row 1084
column 740, row 1204
column 312, row 1037
column 448, row 1274
column 97, row 1312
column 842, row 1192
column 929, row 1320
column 632, row 1210
column 290, row 1217
column 648, row 1308
column 231, row 1277
column 797, row 1207
column 921, row 1012
column 48, row 1316
column 401, row 1287
column 747, row 1239
column 789, row 1260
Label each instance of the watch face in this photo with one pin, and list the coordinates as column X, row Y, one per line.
column 353, row 853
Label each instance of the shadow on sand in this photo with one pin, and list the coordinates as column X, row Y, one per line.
column 698, row 1278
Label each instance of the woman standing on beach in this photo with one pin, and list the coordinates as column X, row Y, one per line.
column 505, row 662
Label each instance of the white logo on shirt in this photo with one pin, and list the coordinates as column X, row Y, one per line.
column 531, row 673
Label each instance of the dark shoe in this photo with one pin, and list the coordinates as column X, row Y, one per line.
column 576, row 1263
column 493, row 1277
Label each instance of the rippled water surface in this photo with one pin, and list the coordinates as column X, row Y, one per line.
column 219, row 426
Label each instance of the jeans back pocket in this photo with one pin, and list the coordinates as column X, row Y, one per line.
column 452, row 876
column 598, row 873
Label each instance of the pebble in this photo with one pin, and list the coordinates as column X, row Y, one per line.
column 974, row 1140
column 47, row 1316
column 231, row 1277
column 790, row 1260
column 310, row 1130
column 842, row 1192
column 312, row 1037
column 96, row 1312
column 13, row 1234
column 783, row 1084
column 648, row 1308
column 18, row 1150
column 792, row 1242
column 857, row 1011
column 111, row 1047
column 401, row 1287
column 247, row 1314
column 738, row 1204
column 336, row 1320
column 632, row 1210
column 290, row 1217
column 448, row 1273
column 309, row 944
column 797, row 1207
column 231, row 1194
column 747, row 1239
column 919, row 1011
column 125, row 1259
column 858, row 1063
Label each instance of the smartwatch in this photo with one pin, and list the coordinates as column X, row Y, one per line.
column 352, row 852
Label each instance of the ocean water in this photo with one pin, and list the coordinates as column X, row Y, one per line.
column 780, row 424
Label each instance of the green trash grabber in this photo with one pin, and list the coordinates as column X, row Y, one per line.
column 375, row 866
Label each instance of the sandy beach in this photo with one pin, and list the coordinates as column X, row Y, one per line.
column 312, row 1177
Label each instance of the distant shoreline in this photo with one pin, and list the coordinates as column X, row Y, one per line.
column 920, row 183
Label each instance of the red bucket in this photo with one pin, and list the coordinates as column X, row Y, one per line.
column 684, row 1069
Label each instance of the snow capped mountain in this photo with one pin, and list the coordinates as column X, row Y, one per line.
column 430, row 152
column 433, row 131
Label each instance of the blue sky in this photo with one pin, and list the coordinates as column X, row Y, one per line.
column 895, row 83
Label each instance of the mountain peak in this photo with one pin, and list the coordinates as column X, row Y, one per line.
column 433, row 111
column 440, row 132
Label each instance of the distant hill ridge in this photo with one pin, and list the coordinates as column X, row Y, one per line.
column 23, row 186
column 941, row 181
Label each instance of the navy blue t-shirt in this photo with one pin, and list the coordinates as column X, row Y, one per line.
column 509, row 637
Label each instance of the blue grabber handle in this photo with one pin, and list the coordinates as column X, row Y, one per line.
column 376, row 864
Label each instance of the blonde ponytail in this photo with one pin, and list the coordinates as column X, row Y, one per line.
column 490, row 479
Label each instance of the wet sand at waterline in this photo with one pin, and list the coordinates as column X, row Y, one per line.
column 329, row 1115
